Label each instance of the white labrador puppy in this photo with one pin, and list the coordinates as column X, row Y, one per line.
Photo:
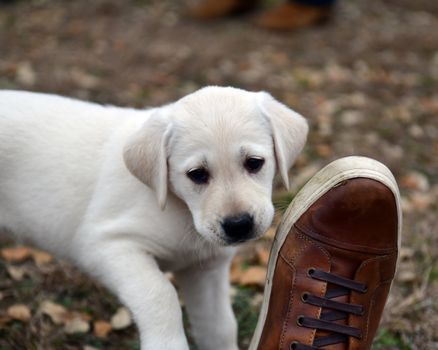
column 82, row 181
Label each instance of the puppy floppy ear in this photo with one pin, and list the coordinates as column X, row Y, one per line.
column 146, row 152
column 289, row 132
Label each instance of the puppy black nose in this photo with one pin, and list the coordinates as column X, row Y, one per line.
column 239, row 227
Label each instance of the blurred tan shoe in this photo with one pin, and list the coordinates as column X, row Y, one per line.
column 292, row 15
column 211, row 9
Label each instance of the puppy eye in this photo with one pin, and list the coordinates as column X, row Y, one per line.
column 199, row 176
column 254, row 164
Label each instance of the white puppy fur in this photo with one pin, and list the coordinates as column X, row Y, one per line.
column 110, row 189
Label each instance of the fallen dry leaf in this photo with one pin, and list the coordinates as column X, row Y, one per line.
column 101, row 328
column 56, row 312
column 76, row 325
column 26, row 74
column 84, row 316
column 84, row 79
column 255, row 275
column 4, row 319
column 406, row 276
column 121, row 319
column 406, row 253
column 257, row 300
column 421, row 201
column 16, row 254
column 324, row 150
column 270, row 233
column 406, row 204
column 19, row 312
column 263, row 255
column 415, row 181
column 40, row 257
column 236, row 269
column 16, row 272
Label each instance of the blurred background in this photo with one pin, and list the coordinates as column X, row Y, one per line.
column 366, row 79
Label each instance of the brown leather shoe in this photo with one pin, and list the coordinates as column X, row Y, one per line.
column 211, row 9
column 292, row 15
column 332, row 261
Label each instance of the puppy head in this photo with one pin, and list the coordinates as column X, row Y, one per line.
column 218, row 149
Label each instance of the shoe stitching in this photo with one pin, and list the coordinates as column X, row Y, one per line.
column 369, row 261
column 366, row 263
column 303, row 228
column 312, row 242
column 378, row 286
column 290, row 263
column 324, row 285
column 371, row 305
column 291, row 293
column 291, row 300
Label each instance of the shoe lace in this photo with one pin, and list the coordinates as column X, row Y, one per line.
column 338, row 333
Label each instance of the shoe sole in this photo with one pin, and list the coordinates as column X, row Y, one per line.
column 334, row 173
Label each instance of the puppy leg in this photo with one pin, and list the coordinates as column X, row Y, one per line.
column 206, row 293
column 136, row 279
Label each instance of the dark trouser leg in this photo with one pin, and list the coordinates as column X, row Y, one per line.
column 211, row 9
column 314, row 2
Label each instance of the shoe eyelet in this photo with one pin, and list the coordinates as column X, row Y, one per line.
column 300, row 320
column 365, row 290
column 304, row 297
column 293, row 345
column 311, row 271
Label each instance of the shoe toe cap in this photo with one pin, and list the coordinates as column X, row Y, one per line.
column 361, row 212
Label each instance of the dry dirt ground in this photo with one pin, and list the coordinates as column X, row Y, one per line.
column 367, row 82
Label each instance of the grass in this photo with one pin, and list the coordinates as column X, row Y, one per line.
column 246, row 314
column 386, row 340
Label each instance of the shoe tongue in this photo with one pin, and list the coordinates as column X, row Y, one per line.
column 342, row 266
column 359, row 214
